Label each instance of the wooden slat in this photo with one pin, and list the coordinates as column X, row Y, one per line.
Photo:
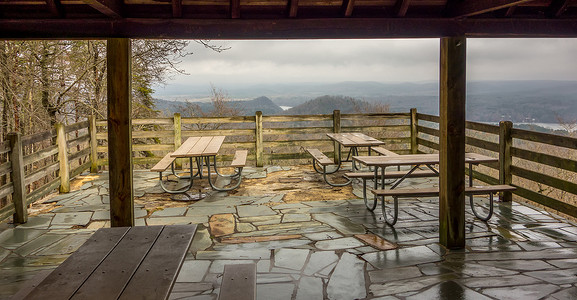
column 110, row 8
column 4, row 147
column 84, row 139
column 155, row 121
column 176, row 8
column 238, row 282
column 472, row 8
column 31, row 284
column 185, row 147
column 375, row 116
column 76, row 126
column 6, row 190
column 299, row 118
column 38, row 137
column 41, row 173
column 434, row 191
column 68, row 276
column 77, row 171
column 5, row 168
column 483, row 127
column 111, row 277
column 200, row 146
column 541, row 178
column 428, row 118
column 219, row 120
column 239, row 159
column 428, row 130
column 43, row 191
column 483, row 144
column 152, row 134
column 545, row 138
column 163, row 164
column 165, row 258
column 214, row 145
column 401, row 7
column 293, row 8
column 383, row 151
column 320, row 157
column 7, row 211
column 428, row 143
column 392, row 174
column 348, row 6
column 79, row 154
column 42, row 154
column 546, row 159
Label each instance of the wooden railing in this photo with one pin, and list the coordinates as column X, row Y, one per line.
column 542, row 166
column 39, row 164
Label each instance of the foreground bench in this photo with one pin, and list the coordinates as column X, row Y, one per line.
column 139, row 262
column 320, row 159
column 434, row 192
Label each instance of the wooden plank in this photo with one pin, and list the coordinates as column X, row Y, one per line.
column 40, row 155
column 71, row 274
column 299, row 130
column 163, row 164
column 428, row 144
column 155, row 121
column 401, row 7
column 200, row 146
column 225, row 132
column 78, row 170
column 152, row 134
column 81, row 140
column 79, row 154
column 219, row 120
column 545, row 138
column 238, row 282
column 6, row 190
column 6, row 211
column 183, row 150
column 299, row 118
column 293, row 8
column 472, row 8
column 483, row 144
column 111, row 276
column 76, row 126
column 452, row 142
column 336, row 129
column 43, row 191
column 319, row 157
column 119, row 58
column 41, row 173
column 214, row 145
column 483, row 127
column 4, row 147
column 110, row 8
column 434, row 191
column 5, row 168
column 545, row 159
column 539, row 177
column 383, row 151
column 31, row 284
column 547, row 201
column 38, row 137
column 376, row 116
column 393, row 174
column 165, row 259
column 176, row 8
column 239, row 159
column 428, row 118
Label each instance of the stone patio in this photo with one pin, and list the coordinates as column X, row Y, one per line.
column 325, row 249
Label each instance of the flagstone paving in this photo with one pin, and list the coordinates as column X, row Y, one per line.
column 314, row 249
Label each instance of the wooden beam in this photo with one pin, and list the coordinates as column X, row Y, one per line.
column 235, row 9
column 55, row 8
column 557, row 7
column 177, row 8
column 401, row 7
column 460, row 9
column 348, row 6
column 286, row 28
column 111, row 8
column 510, row 11
column 293, row 8
column 452, row 142
column 118, row 55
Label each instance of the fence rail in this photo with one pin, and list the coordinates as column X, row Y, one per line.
column 542, row 166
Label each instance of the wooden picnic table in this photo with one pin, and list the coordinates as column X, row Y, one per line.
column 353, row 141
column 139, row 262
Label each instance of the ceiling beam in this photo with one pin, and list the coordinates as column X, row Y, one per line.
column 293, row 8
column 348, row 6
column 177, row 8
column 401, row 7
column 235, row 9
column 510, row 11
column 111, row 8
column 284, row 29
column 557, row 7
column 55, row 8
column 460, row 9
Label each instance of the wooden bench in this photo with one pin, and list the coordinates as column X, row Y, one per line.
column 324, row 161
column 162, row 166
column 383, row 151
column 432, row 192
column 238, row 282
column 239, row 159
column 139, row 262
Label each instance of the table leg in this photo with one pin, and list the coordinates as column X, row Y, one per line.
column 184, row 189
column 237, row 174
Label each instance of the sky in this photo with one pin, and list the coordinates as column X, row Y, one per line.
column 328, row 61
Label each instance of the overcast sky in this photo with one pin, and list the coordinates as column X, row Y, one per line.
column 281, row 61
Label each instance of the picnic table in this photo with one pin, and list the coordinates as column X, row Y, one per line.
column 353, row 141
column 203, row 149
column 119, row 263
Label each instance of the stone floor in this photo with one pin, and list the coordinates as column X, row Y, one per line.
column 314, row 249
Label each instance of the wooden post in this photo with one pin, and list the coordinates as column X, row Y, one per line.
column 505, row 157
column 93, row 144
column 336, row 129
column 63, row 158
column 177, row 137
column 414, row 131
column 452, row 142
column 258, row 139
column 118, row 55
column 19, row 194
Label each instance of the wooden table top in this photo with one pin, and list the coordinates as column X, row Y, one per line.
column 355, row 139
column 417, row 159
column 140, row 262
column 199, row 146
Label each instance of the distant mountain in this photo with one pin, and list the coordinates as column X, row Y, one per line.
column 327, row 104
column 249, row 107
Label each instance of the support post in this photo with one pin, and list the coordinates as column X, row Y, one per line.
column 414, row 131
column 505, row 158
column 93, row 144
column 63, row 158
column 336, row 129
column 118, row 55
column 258, row 139
column 452, row 142
column 19, row 194
column 177, row 138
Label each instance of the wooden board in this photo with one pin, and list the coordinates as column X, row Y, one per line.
column 238, row 282
column 164, row 163
column 200, row 146
column 185, row 147
column 384, row 151
column 214, row 145
column 431, row 192
column 417, row 159
column 239, row 159
column 392, row 174
column 320, row 157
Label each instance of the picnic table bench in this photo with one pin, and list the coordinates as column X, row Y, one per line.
column 119, row 263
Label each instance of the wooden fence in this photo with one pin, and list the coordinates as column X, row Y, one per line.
column 542, row 166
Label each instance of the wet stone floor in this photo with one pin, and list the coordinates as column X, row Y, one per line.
column 333, row 249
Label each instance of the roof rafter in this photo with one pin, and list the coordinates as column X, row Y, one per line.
column 401, row 7
column 348, row 6
column 460, row 9
column 293, row 8
column 177, row 8
column 111, row 8
column 557, row 7
column 235, row 9
column 56, row 8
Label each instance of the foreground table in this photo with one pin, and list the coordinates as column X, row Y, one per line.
column 121, row 263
